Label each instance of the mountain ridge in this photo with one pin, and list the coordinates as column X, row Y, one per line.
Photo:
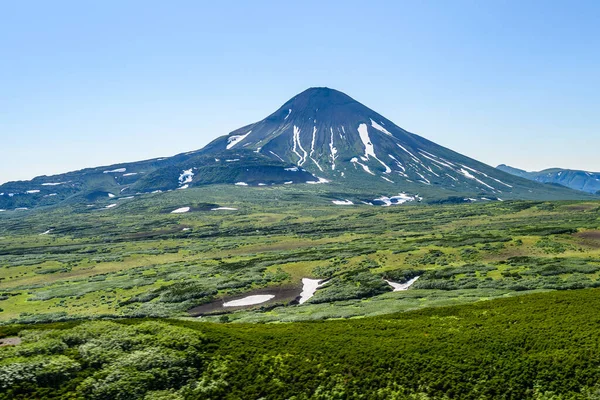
column 580, row 180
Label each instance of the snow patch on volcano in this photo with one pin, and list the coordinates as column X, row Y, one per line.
column 235, row 139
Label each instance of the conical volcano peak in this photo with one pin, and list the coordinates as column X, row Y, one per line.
column 319, row 98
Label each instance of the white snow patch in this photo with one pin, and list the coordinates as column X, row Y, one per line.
column 235, row 139
column 380, row 128
column 389, row 180
column 183, row 187
column 342, row 202
column 127, row 198
column 312, row 148
column 366, row 168
column 275, row 155
column 409, row 153
column 115, row 170
column 309, row 287
column 47, row 232
column 21, row 208
column 130, row 174
column 298, row 145
column 288, row 182
column 110, row 195
column 233, row 160
column 224, row 209
column 288, row 114
column 468, row 175
column 186, row 176
column 395, row 200
column 333, row 151
column 111, row 205
column 240, row 184
column 262, row 184
column 50, row 195
column 32, row 191
column 181, row 210
column 402, row 286
column 320, row 180
column 292, row 169
column 53, row 183
column 369, row 149
column 249, row 300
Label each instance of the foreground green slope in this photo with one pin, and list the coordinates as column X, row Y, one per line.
column 541, row 346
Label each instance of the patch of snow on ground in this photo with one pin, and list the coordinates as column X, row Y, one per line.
column 21, row 208
column 224, row 209
column 235, row 139
column 288, row 182
column 276, row 155
column 240, row 184
column 333, row 151
column 45, row 233
column 389, row 180
column 288, row 114
column 312, row 148
column 298, row 145
column 409, row 153
column 366, row 168
column 363, row 131
column 181, row 210
column 402, row 286
column 309, row 287
column 115, row 170
column 186, row 176
column 249, row 300
column 380, row 128
column 127, row 198
column 395, row 200
column 342, row 202
column 234, row 160
column 184, row 187
column 53, row 183
column 111, row 205
column 32, row 191
column 110, row 195
column 321, row 180
column 470, row 176
column 292, row 169
column 130, row 174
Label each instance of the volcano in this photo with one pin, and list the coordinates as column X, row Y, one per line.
column 320, row 136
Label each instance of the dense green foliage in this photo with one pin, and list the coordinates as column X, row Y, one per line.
column 541, row 346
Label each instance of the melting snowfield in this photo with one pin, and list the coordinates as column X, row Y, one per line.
column 249, row 300
column 342, row 202
column 224, row 209
column 309, row 287
column 181, row 210
column 402, row 286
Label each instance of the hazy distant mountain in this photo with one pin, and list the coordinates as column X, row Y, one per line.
column 575, row 179
column 319, row 136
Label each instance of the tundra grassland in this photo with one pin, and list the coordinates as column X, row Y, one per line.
column 137, row 259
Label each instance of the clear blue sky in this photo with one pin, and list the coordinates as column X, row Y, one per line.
column 87, row 83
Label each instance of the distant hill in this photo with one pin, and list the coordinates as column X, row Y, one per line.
column 319, row 136
column 575, row 179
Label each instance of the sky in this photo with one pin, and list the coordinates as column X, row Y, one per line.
column 86, row 84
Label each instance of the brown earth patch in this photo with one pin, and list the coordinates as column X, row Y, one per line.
column 283, row 294
column 10, row 341
column 593, row 235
